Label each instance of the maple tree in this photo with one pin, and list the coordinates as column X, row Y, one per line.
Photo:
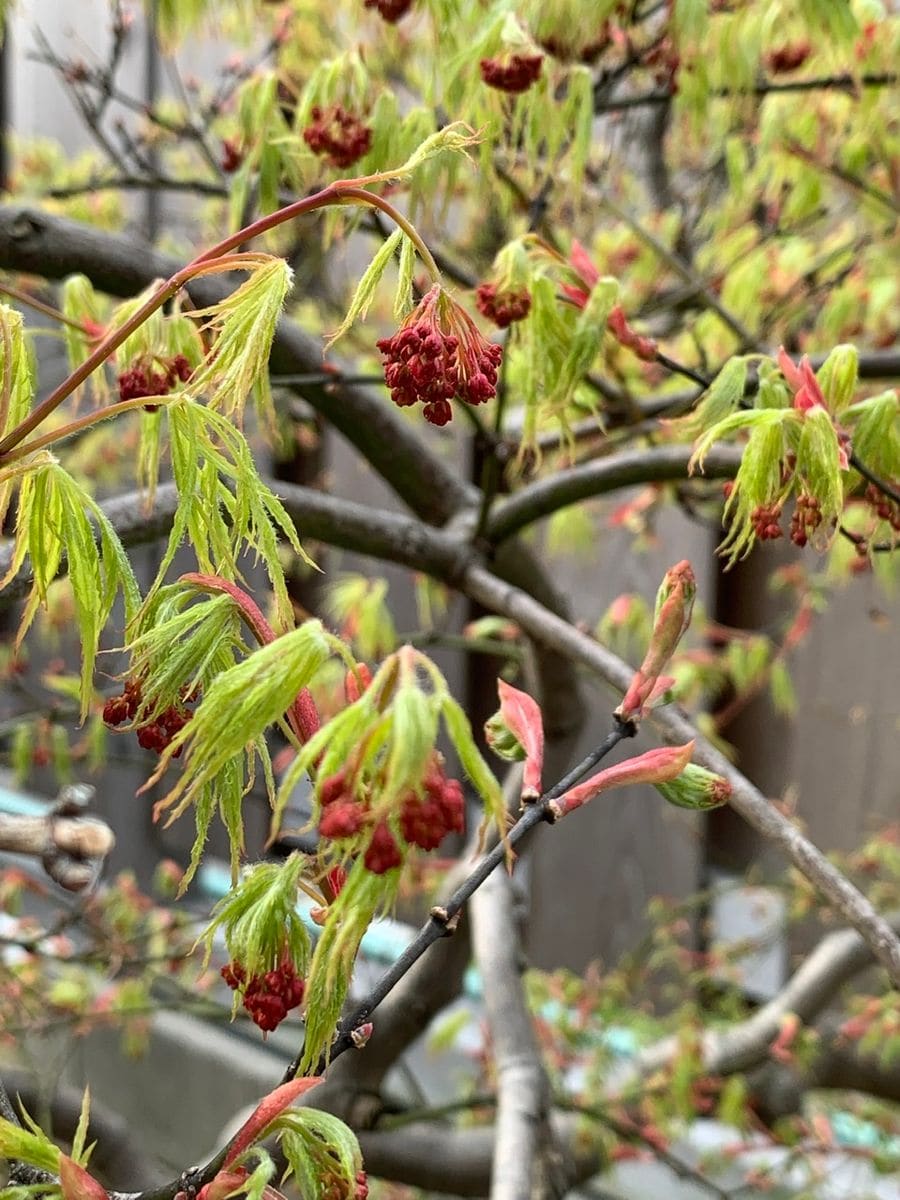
column 547, row 285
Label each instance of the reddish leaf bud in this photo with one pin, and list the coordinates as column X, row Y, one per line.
column 655, row 766
column 517, row 732
column 674, row 604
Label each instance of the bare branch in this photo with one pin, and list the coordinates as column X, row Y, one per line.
column 69, row 846
column 837, row 958
column 522, row 1089
column 779, row 1089
column 459, row 1161
column 656, row 464
column 762, row 815
column 845, row 83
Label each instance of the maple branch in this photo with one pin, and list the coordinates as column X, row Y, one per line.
column 658, row 464
column 845, row 83
column 523, row 1093
column 544, row 627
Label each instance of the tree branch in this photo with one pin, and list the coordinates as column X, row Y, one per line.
column 522, row 1090
column 845, row 83
column 459, row 1161
column 759, row 812
column 69, row 847
column 838, row 958
column 653, row 465
column 409, row 542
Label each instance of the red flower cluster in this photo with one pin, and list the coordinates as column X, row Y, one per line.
column 515, row 74
column 788, row 58
column 806, row 519
column 334, row 1187
column 885, row 508
column 151, row 735
column 424, row 820
column 391, row 10
column 337, row 134
column 438, row 354
column 141, row 380
column 764, row 520
column 268, row 998
column 502, row 307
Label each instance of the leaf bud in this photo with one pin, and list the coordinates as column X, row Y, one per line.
column 696, row 788
column 674, row 605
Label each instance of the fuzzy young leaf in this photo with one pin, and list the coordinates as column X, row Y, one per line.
column 52, row 521
column 403, row 298
column 587, row 339
column 719, row 400
column 259, row 918
column 30, row 1146
column 459, row 731
column 243, row 325
column 413, row 734
column 837, row 377
column 332, row 966
column 180, row 644
column 367, row 286
column 224, row 507
column 318, row 1147
column 239, row 705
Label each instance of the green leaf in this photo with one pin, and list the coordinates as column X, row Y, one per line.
column 52, row 522
column 403, row 298
column 781, row 689
column 483, row 779
column 690, row 19
column 259, row 920
column 30, row 1146
column 367, row 286
column 243, row 326
column 586, row 340
column 238, row 706
column 318, row 1147
column 719, row 400
column 332, row 965
column 182, row 641
column 224, row 507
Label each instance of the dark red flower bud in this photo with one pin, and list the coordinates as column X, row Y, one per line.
column 514, row 74
column 333, row 788
column 788, row 58
column 391, row 10
column 232, row 155
column 382, row 853
column 342, row 819
column 502, row 307
column 338, row 135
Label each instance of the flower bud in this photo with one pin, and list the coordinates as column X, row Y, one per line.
column 674, row 604
column 696, row 788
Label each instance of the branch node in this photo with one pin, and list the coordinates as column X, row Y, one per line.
column 360, row 1036
column 441, row 916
